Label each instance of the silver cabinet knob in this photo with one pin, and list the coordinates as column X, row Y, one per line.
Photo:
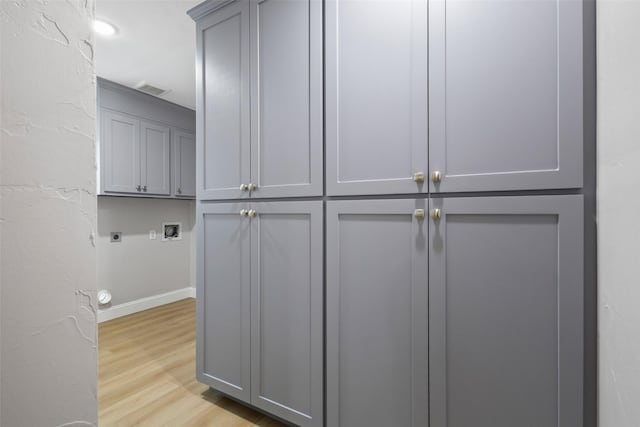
column 252, row 187
column 144, row 188
column 418, row 177
column 179, row 191
column 436, row 177
column 139, row 188
column 253, row 213
column 244, row 187
column 435, row 214
column 419, row 214
column 244, row 212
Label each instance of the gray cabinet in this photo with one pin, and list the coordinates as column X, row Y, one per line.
column 146, row 145
column 260, row 305
column 377, row 318
column 505, row 311
column 120, row 151
column 505, row 94
column 222, row 79
column 260, row 82
column 286, row 98
column 184, row 163
column 223, row 299
column 155, row 154
column 376, row 96
column 136, row 155
column 440, row 311
column 287, row 310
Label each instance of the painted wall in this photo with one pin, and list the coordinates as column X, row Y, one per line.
column 138, row 267
column 619, row 212
column 48, row 214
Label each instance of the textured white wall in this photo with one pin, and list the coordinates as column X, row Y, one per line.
column 138, row 267
column 48, row 214
column 619, row 211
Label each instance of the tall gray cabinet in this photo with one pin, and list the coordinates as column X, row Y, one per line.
column 396, row 210
column 260, row 263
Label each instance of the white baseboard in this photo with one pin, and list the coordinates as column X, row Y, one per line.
column 144, row 304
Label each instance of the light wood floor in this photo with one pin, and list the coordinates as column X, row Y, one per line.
column 147, row 374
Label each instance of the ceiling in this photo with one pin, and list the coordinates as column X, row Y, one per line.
column 155, row 44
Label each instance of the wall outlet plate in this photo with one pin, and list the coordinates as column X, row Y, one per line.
column 116, row 236
column 152, row 235
column 171, row 231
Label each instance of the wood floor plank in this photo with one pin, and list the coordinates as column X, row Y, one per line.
column 146, row 375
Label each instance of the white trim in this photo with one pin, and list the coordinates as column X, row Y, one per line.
column 144, row 304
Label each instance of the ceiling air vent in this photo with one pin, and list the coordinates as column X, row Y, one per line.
column 151, row 90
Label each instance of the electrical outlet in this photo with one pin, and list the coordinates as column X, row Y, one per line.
column 152, row 235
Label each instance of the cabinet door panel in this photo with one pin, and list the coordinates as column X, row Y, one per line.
column 505, row 94
column 286, row 97
column 184, row 161
column 505, row 279
column 223, row 299
column 376, row 96
column 377, row 320
column 155, row 149
column 223, row 103
column 120, row 143
column 287, row 301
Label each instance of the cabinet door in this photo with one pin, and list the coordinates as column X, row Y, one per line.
column 222, row 103
column 286, row 316
column 155, row 165
column 223, row 304
column 505, row 94
column 120, row 149
column 286, row 98
column 376, row 96
column 377, row 319
column 184, row 164
column 505, row 312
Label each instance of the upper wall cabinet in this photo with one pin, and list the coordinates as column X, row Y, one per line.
column 155, row 152
column 146, row 145
column 505, row 95
column 120, row 149
column 260, row 100
column 376, row 96
column 136, row 155
column 184, row 164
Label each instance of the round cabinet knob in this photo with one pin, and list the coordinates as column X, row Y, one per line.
column 418, row 177
column 144, row 188
column 435, row 214
column 253, row 213
column 244, row 187
column 436, row 177
column 139, row 188
column 253, row 187
column 244, row 213
column 419, row 214
column 179, row 191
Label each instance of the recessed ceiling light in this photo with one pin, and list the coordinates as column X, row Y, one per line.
column 104, row 28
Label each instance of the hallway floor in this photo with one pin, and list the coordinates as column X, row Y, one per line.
column 147, row 374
